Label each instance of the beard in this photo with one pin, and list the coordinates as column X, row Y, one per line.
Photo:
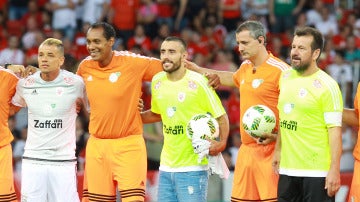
column 301, row 66
column 175, row 66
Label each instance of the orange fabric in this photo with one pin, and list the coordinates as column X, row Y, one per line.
column 356, row 152
column 8, row 83
column 111, row 162
column 125, row 13
column 114, row 91
column 266, row 93
column 354, row 195
column 254, row 178
column 7, row 189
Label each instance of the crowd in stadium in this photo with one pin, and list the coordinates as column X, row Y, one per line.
column 207, row 26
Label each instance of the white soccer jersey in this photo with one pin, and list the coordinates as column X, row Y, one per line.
column 51, row 115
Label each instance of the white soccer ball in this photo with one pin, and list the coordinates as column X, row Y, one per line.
column 258, row 119
column 202, row 126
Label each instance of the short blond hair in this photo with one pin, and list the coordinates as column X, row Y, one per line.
column 54, row 42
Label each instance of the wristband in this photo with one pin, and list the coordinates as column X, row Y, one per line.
column 6, row 65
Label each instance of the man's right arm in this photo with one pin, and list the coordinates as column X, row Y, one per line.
column 150, row 117
column 226, row 77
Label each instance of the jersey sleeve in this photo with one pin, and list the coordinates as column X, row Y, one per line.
column 332, row 104
column 18, row 99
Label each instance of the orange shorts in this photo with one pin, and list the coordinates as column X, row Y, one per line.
column 254, row 178
column 354, row 195
column 7, row 189
column 115, row 162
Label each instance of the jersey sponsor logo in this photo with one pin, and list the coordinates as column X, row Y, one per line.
column 181, row 97
column 114, row 77
column 89, row 78
column 290, row 125
column 56, row 123
column 317, row 83
column 257, row 82
column 174, row 130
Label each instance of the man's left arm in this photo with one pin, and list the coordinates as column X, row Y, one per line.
column 332, row 183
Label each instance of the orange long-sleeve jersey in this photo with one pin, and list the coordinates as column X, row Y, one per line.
column 8, row 82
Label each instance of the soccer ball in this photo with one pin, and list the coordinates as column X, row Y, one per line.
column 258, row 119
column 202, row 126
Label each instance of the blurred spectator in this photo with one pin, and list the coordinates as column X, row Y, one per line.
column 327, row 56
column 352, row 53
column 146, row 15
column 187, row 10
column 64, row 17
column 122, row 15
column 12, row 126
column 339, row 40
column 47, row 28
column 283, row 14
column 82, row 136
column 163, row 32
column 3, row 31
column 80, row 42
column 208, row 16
column 166, row 10
column 33, row 12
column 327, row 25
column 258, row 8
column 94, row 10
column 313, row 15
column 348, row 143
column 233, row 111
column 13, row 54
column 17, row 8
column 18, row 151
column 32, row 52
column 140, row 38
column 230, row 13
column 154, row 141
column 28, row 38
column 342, row 73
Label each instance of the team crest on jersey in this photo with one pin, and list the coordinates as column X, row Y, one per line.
column 288, row 108
column 286, row 75
column 256, row 83
column 114, row 77
column 242, row 81
column 317, row 83
column 181, row 97
column 89, row 78
column 192, row 85
column 68, row 80
column 303, row 92
column 29, row 81
column 157, row 85
column 170, row 111
column 59, row 91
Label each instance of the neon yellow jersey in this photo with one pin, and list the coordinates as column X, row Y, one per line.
column 308, row 106
column 177, row 102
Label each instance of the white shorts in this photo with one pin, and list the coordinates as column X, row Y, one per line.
column 48, row 181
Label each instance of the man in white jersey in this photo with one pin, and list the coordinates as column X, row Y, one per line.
column 308, row 150
column 48, row 169
column 177, row 95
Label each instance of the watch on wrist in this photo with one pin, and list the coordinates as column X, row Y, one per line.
column 6, row 65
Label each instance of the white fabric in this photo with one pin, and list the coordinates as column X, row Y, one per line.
column 64, row 16
column 48, row 182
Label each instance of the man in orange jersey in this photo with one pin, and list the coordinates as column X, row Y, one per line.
column 7, row 91
column 257, row 80
column 351, row 117
column 115, row 151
